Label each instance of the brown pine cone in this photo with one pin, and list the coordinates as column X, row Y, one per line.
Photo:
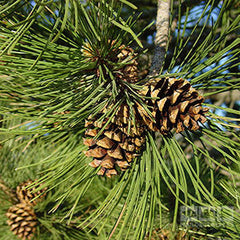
column 117, row 145
column 129, row 72
column 26, row 195
column 164, row 234
column 22, row 220
column 176, row 104
column 117, row 54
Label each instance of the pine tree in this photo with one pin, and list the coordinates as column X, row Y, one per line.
column 106, row 134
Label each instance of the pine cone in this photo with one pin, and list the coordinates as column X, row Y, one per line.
column 129, row 72
column 22, row 220
column 26, row 195
column 164, row 234
column 116, row 146
column 176, row 105
column 122, row 53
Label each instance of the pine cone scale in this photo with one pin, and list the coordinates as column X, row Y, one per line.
column 89, row 142
column 105, row 143
column 174, row 97
column 173, row 115
column 96, row 152
column 113, row 135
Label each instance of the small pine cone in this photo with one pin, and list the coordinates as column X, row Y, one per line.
column 164, row 234
column 22, row 220
column 129, row 72
column 26, row 195
column 176, row 105
column 122, row 53
column 117, row 145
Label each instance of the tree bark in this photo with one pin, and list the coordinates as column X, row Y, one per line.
column 162, row 27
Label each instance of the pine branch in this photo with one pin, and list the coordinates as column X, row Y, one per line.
column 162, row 26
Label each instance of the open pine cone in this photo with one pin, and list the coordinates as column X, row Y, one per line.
column 26, row 195
column 22, row 220
column 176, row 105
column 116, row 146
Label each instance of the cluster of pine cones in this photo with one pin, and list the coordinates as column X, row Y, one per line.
column 22, row 218
column 171, row 104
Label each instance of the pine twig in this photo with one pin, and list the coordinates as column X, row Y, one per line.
column 162, row 26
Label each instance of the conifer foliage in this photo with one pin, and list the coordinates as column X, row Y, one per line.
column 77, row 90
